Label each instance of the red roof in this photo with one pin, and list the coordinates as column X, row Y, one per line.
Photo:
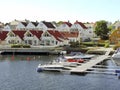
column 56, row 34
column 3, row 35
column 70, row 34
column 68, row 23
column 81, row 24
column 19, row 33
column 37, row 33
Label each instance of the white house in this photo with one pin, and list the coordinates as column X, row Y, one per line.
column 71, row 36
column 15, row 37
column 116, row 25
column 7, row 27
column 53, row 38
column 32, row 37
column 82, row 29
column 32, row 25
column 65, row 26
column 43, row 25
column 21, row 26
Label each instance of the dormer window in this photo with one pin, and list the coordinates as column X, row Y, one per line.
column 12, row 35
column 46, row 35
column 28, row 35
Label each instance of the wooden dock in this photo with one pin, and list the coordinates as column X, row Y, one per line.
column 84, row 67
column 94, row 61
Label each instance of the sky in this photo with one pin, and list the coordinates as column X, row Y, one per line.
column 60, row 10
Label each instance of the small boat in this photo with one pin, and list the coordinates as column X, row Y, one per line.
column 79, row 55
column 76, row 60
column 58, row 65
column 116, row 56
column 52, row 67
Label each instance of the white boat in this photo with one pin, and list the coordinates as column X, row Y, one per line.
column 57, row 65
column 52, row 67
column 116, row 56
column 79, row 55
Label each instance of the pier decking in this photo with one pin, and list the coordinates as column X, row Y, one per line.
column 84, row 67
column 94, row 61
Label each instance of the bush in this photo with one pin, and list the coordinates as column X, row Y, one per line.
column 20, row 46
column 26, row 46
column 16, row 46
column 88, row 43
column 101, row 44
column 106, row 45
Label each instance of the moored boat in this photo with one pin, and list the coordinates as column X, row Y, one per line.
column 116, row 56
column 79, row 55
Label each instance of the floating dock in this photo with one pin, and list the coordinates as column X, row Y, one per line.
column 83, row 68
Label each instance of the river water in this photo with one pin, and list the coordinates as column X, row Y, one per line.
column 19, row 73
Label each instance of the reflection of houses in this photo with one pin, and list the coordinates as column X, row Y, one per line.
column 115, row 36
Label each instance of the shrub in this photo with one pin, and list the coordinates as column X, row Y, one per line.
column 106, row 45
column 16, row 46
column 101, row 44
column 20, row 46
column 88, row 43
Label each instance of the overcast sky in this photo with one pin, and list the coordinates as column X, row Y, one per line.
column 60, row 10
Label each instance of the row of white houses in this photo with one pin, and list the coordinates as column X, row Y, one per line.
column 84, row 31
column 37, row 37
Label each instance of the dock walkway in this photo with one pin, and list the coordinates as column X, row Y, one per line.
column 94, row 61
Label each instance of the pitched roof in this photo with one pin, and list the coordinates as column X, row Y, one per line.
column 48, row 24
column 58, row 36
column 35, row 23
column 68, row 23
column 37, row 33
column 24, row 23
column 70, row 34
column 19, row 33
column 3, row 35
column 81, row 24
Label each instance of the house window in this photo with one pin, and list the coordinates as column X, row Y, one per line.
column 56, row 42
column 46, row 35
column 35, row 42
column 25, row 41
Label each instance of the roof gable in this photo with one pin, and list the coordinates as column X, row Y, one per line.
column 70, row 34
column 37, row 33
column 58, row 36
column 67, row 23
column 19, row 33
column 81, row 24
column 3, row 35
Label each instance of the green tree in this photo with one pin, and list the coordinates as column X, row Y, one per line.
column 101, row 29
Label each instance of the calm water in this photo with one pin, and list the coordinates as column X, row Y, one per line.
column 19, row 73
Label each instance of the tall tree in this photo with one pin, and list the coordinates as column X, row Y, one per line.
column 101, row 29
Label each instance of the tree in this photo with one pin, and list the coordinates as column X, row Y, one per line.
column 101, row 29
